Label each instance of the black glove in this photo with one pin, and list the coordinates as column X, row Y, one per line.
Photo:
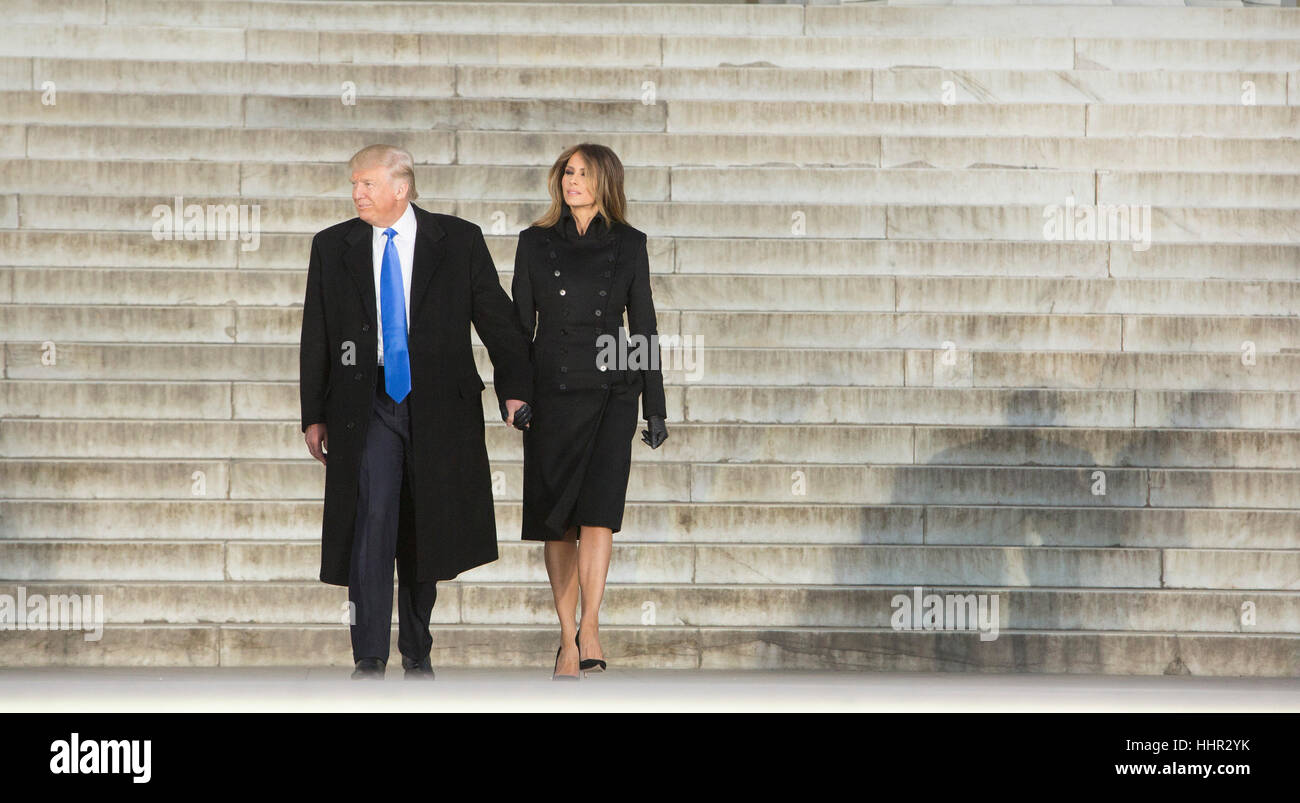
column 522, row 416
column 656, row 434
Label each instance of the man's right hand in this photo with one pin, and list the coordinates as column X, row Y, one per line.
column 318, row 442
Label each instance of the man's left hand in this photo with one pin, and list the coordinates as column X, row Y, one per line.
column 513, row 406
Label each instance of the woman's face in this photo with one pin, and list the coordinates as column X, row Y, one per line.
column 576, row 184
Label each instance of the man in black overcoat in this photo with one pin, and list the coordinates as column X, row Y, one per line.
column 406, row 465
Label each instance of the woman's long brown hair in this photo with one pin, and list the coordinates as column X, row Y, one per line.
column 605, row 175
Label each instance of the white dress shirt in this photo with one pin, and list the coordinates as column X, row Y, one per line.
column 404, row 241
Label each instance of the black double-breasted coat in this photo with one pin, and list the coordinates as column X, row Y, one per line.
column 570, row 290
column 448, row 514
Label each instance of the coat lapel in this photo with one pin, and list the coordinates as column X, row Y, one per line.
column 428, row 256
column 360, row 264
column 359, row 259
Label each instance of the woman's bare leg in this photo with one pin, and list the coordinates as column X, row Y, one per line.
column 593, row 568
column 562, row 568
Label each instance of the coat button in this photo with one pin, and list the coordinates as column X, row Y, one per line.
column 365, row 327
column 552, row 255
column 603, row 386
column 358, row 376
column 561, row 291
column 557, row 273
column 564, row 369
column 604, row 367
column 563, row 387
column 611, row 257
column 602, row 292
column 597, row 313
column 351, row 424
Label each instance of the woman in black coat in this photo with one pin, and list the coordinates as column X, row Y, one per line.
column 576, row 269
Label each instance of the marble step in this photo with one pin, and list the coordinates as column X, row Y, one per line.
column 1155, row 154
column 206, row 519
column 719, row 20
column 664, row 481
column 762, row 565
column 244, row 218
column 948, row 406
column 994, row 331
column 1195, row 85
column 694, row 185
column 1132, row 22
column 837, row 404
column 687, row 116
column 674, row 647
column 175, row 324
column 686, row 184
column 975, row 187
column 702, row 292
column 1076, row 331
column 1046, row 119
column 1205, row 372
column 927, row 48
column 465, row 17
column 712, row 255
column 748, row 367
column 109, row 143
column 472, row 602
column 1109, row 50
column 521, row 183
column 40, row 438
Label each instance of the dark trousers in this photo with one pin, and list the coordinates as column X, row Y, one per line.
column 382, row 483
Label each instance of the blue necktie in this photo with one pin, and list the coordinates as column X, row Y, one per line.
column 392, row 302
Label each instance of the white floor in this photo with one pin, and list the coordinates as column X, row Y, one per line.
column 317, row 689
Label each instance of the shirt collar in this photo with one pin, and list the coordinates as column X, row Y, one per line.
column 405, row 225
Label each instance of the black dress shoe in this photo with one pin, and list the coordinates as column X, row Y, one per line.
column 369, row 669
column 421, row 670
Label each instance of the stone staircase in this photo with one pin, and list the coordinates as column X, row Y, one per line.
column 902, row 382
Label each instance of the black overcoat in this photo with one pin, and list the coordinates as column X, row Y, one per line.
column 570, row 292
column 448, row 515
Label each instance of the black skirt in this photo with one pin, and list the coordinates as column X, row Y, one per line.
column 577, row 457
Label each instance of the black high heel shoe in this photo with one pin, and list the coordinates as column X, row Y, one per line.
column 587, row 664
column 554, row 676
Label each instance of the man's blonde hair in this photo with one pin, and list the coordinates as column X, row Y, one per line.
column 400, row 164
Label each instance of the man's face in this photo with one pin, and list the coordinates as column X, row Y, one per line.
column 378, row 201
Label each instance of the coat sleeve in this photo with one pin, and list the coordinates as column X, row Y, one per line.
column 641, row 320
column 313, row 348
column 498, row 326
column 521, row 289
